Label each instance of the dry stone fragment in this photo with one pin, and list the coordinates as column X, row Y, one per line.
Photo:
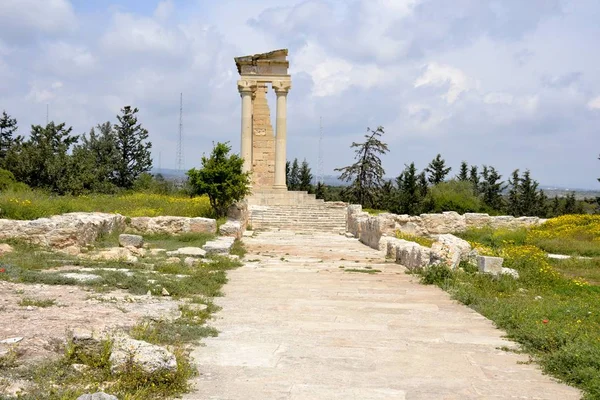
column 451, row 250
column 5, row 248
column 221, row 245
column 231, row 228
column 148, row 357
column 188, row 251
column 127, row 240
column 97, row 396
column 490, row 265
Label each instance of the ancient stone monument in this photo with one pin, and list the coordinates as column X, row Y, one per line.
column 264, row 154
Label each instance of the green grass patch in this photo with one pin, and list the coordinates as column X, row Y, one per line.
column 579, row 268
column 549, row 310
column 37, row 204
column 423, row 241
column 173, row 242
column 495, row 238
column 363, row 271
column 43, row 303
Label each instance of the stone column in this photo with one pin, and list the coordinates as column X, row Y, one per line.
column 246, row 88
column 281, row 89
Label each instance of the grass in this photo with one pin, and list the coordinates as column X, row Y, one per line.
column 43, row 303
column 363, row 271
column 37, row 204
column 423, row 241
column 171, row 242
column 197, row 284
column 579, row 268
column 67, row 382
column 551, row 310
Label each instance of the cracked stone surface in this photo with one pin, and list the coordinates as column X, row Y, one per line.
column 294, row 325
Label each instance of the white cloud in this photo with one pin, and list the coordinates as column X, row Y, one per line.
column 164, row 9
column 130, row 33
column 498, row 98
column 21, row 18
column 439, row 75
column 594, row 104
column 332, row 75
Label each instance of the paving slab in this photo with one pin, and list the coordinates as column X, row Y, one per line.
column 304, row 328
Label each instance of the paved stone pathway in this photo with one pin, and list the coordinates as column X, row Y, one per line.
column 294, row 325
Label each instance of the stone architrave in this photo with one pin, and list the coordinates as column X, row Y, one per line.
column 264, row 155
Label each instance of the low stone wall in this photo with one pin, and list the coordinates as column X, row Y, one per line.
column 71, row 230
column 238, row 216
column 371, row 228
column 172, row 225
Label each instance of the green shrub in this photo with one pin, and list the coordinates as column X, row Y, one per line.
column 453, row 196
column 436, row 275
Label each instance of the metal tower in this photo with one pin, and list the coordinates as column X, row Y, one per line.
column 180, row 160
column 320, row 161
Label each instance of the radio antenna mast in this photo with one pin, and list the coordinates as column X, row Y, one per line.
column 180, row 139
column 320, row 162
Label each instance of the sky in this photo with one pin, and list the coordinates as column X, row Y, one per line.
column 507, row 83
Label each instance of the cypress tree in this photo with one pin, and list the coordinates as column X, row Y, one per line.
column 294, row 181
column 463, row 174
column 437, row 170
column 367, row 172
column 305, row 177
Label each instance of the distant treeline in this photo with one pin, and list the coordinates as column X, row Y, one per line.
column 472, row 189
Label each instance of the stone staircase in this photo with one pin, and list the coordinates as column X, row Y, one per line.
column 272, row 209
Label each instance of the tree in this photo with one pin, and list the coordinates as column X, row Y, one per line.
column 321, row 191
column 492, row 187
column 132, row 147
column 409, row 197
column 367, row 172
column 474, row 178
column 388, row 196
column 453, row 195
column 463, row 174
column 556, row 207
column 529, row 195
column 97, row 157
column 8, row 126
column 542, row 205
column 221, row 178
column 43, row 160
column 437, row 170
column 514, row 196
column 287, row 174
column 294, row 181
column 570, row 204
column 305, row 177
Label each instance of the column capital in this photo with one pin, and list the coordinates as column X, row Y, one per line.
column 282, row 87
column 246, row 86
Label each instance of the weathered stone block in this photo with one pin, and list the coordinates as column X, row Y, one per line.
column 451, row 250
column 490, row 265
column 126, row 240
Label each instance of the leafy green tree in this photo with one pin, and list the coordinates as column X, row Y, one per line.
column 43, row 160
column 463, row 174
column 367, row 172
column 492, row 187
column 409, row 192
column 221, row 178
column 97, row 157
column 437, row 170
column 542, row 205
column 570, row 204
column 287, row 174
column 294, row 181
column 8, row 127
column 388, row 196
column 514, row 196
column 133, row 148
column 474, row 179
column 529, row 195
column 423, row 185
column 453, row 195
column 556, row 207
column 305, row 177
column 321, row 191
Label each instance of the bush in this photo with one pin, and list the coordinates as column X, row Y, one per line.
column 221, row 178
column 436, row 275
column 453, row 196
